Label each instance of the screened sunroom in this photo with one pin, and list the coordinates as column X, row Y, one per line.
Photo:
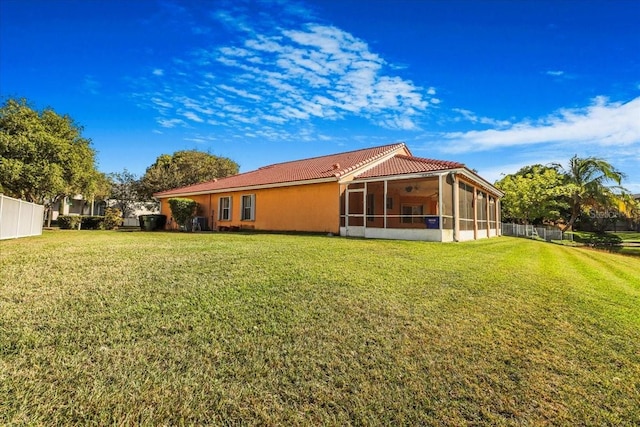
column 440, row 206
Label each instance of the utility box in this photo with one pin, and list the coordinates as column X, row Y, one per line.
column 432, row 222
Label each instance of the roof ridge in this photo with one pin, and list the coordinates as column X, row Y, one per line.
column 391, row 148
column 427, row 160
column 397, row 144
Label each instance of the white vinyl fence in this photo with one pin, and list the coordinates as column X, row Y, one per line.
column 19, row 218
column 545, row 233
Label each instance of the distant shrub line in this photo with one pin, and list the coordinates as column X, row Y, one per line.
column 111, row 220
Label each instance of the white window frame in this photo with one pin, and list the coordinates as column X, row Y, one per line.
column 251, row 207
column 222, row 209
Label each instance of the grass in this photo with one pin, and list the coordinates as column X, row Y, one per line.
column 179, row 328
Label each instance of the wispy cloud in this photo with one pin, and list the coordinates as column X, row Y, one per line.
column 603, row 123
column 470, row 116
column 555, row 73
column 192, row 116
column 170, row 123
column 285, row 70
column 91, row 85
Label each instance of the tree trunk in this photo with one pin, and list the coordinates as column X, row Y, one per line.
column 49, row 215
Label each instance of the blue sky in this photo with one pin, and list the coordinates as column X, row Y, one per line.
column 493, row 84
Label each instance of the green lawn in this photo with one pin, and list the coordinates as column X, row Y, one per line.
column 131, row 328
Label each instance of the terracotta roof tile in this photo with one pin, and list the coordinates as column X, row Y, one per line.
column 330, row 166
column 401, row 164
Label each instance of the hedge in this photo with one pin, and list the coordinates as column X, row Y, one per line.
column 87, row 222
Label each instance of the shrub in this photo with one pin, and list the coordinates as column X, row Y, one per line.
column 68, row 222
column 182, row 209
column 92, row 222
column 112, row 219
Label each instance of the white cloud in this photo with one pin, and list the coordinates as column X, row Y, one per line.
column 161, row 103
column 241, row 92
column 280, row 70
column 602, row 123
column 556, row 73
column 192, row 116
column 474, row 118
column 170, row 123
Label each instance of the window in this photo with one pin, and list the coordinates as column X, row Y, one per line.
column 412, row 214
column 224, row 210
column 248, row 207
column 389, row 203
column 370, row 208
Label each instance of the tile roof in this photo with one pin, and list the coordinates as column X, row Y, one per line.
column 330, row 166
column 401, row 164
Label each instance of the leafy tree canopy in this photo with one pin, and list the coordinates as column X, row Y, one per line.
column 592, row 181
column 43, row 155
column 534, row 194
column 184, row 168
column 539, row 193
column 124, row 191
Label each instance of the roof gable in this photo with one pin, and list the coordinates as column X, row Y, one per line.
column 330, row 167
column 403, row 164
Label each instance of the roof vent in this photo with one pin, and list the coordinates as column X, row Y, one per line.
column 336, row 166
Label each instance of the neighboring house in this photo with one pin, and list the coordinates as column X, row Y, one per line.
column 77, row 205
column 380, row 192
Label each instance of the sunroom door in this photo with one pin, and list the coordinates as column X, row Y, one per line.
column 354, row 212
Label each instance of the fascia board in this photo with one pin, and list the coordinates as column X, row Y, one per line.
column 476, row 178
column 403, row 176
column 252, row 187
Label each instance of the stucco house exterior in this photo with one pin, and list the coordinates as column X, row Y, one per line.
column 378, row 192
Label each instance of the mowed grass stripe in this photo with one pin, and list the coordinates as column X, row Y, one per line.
column 171, row 328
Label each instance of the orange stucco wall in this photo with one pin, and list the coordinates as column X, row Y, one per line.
column 310, row 207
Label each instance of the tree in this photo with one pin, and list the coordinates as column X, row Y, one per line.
column 534, row 194
column 124, row 191
column 43, row 155
column 586, row 180
column 184, row 168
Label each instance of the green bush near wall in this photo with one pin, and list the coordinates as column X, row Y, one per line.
column 182, row 209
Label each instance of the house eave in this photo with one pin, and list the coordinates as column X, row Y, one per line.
column 472, row 176
column 469, row 175
column 248, row 188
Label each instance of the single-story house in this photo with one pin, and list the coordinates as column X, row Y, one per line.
column 379, row 192
column 78, row 205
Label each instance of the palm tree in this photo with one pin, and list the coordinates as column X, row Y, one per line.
column 587, row 179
